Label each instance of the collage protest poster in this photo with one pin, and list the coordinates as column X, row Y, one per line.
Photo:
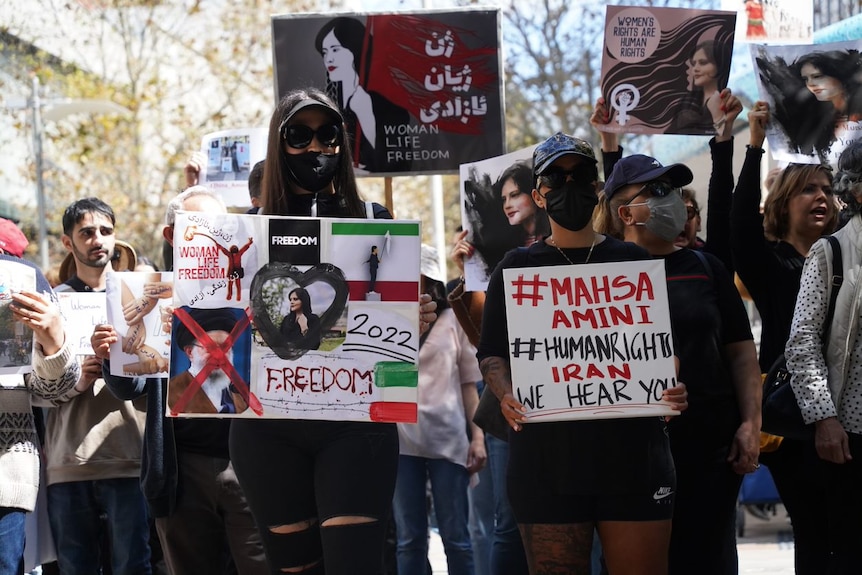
column 82, row 312
column 663, row 69
column 139, row 306
column 421, row 92
column 281, row 317
column 814, row 98
column 231, row 154
column 591, row 341
column 498, row 211
column 16, row 339
column 773, row 21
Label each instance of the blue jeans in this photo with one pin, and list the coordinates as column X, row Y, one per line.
column 11, row 541
column 507, row 553
column 449, row 492
column 482, row 510
column 75, row 509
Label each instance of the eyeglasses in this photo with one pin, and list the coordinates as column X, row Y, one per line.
column 692, row 212
column 556, row 177
column 658, row 188
column 300, row 136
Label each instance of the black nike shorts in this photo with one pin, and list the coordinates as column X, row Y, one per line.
column 588, row 471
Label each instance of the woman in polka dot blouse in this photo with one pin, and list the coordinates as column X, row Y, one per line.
column 769, row 250
column 828, row 385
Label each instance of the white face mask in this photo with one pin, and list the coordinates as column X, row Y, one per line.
column 667, row 216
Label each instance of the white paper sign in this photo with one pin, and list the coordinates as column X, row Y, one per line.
column 231, row 154
column 498, row 212
column 16, row 340
column 82, row 312
column 139, row 308
column 590, row 341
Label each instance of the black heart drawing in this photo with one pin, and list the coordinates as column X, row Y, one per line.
column 271, row 333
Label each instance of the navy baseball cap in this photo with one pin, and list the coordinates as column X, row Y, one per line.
column 557, row 146
column 639, row 169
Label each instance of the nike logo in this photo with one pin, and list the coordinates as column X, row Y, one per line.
column 662, row 492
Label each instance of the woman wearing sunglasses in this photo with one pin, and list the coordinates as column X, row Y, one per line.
column 566, row 479
column 320, row 491
column 769, row 250
column 716, row 441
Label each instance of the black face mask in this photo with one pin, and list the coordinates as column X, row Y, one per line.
column 572, row 205
column 312, row 171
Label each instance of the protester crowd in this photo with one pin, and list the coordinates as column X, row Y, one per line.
column 131, row 491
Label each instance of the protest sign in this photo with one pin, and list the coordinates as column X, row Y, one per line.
column 664, row 68
column 498, row 211
column 16, row 340
column 283, row 317
column 591, row 341
column 231, row 154
column 82, row 312
column 139, row 308
column 421, row 92
column 814, row 97
column 773, row 21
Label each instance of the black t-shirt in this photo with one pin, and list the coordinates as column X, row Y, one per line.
column 495, row 334
column 204, row 436
column 706, row 314
column 628, row 439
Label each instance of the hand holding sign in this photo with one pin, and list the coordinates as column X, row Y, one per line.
column 104, row 336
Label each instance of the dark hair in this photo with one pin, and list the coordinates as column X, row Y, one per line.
column 719, row 54
column 277, row 187
column 809, row 123
column 791, row 181
column 304, row 299
column 522, row 174
column 843, row 65
column 255, row 179
column 351, row 33
column 849, row 177
column 78, row 209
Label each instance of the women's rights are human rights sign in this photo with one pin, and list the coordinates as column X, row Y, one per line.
column 591, row 341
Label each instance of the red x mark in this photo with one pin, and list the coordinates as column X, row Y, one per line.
column 217, row 360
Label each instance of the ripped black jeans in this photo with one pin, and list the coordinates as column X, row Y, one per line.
column 297, row 471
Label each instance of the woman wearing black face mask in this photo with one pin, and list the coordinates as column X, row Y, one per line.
column 717, row 440
column 568, row 478
column 320, row 491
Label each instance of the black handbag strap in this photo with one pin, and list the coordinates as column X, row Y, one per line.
column 835, row 285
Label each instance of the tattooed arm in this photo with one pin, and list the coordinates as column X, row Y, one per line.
column 495, row 372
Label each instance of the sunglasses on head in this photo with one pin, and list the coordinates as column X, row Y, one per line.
column 658, row 188
column 300, row 136
column 556, row 177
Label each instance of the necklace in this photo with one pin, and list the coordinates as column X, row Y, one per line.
column 589, row 254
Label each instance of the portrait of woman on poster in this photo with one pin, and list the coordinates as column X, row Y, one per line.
column 504, row 217
column 345, row 45
column 679, row 96
column 816, row 97
column 300, row 326
column 709, row 69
